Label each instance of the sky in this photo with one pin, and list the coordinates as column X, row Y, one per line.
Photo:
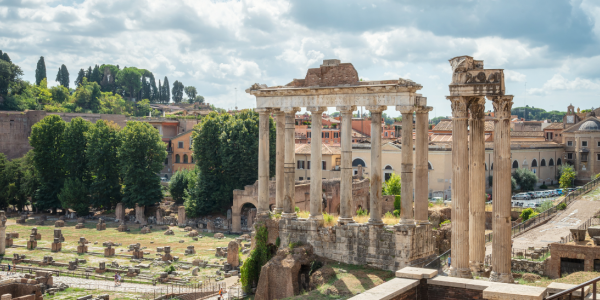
column 549, row 50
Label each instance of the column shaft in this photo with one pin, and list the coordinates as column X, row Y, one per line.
column 279, row 161
column 406, row 167
column 501, row 223
column 477, row 185
column 376, row 170
column 263, row 162
column 289, row 203
column 460, row 188
column 422, row 166
column 316, row 168
column 346, row 180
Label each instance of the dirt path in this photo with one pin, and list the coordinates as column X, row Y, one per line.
column 578, row 212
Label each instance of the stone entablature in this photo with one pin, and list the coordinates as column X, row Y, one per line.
column 383, row 247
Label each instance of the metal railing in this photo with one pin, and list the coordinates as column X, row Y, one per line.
column 587, row 224
column 568, row 294
column 438, row 262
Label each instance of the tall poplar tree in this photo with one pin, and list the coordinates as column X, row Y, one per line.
column 103, row 161
column 177, row 91
column 79, row 79
column 40, row 71
column 159, row 98
column 141, row 156
column 63, row 76
column 75, row 192
column 88, row 74
column 96, row 75
column 47, row 139
column 166, row 93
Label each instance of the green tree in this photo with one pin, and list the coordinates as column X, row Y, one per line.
column 177, row 91
column 60, row 94
column 197, row 99
column 103, row 161
column 10, row 75
column 141, row 157
column 63, row 76
column 219, row 141
column 567, row 177
column 23, row 181
column 46, row 139
column 166, row 92
column 392, row 186
column 40, row 71
column 513, row 184
column 4, row 57
column 191, row 93
column 4, row 180
column 88, row 73
column 80, row 77
column 526, row 179
column 75, row 196
column 96, row 75
column 130, row 79
column 179, row 184
column 74, row 148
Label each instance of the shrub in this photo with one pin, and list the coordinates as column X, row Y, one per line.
column 277, row 242
column 543, row 187
column 361, row 212
column 430, row 204
column 328, row 219
column 388, row 215
column 526, row 214
column 294, row 245
column 545, row 206
column 250, row 270
column 445, row 222
column 170, row 269
column 297, row 209
column 397, row 202
column 397, row 213
column 561, row 206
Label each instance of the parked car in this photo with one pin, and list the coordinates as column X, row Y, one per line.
column 436, row 199
column 559, row 192
column 529, row 205
column 547, row 193
column 539, row 194
column 521, row 196
column 531, row 195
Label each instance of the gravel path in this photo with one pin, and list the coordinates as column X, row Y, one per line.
column 578, row 212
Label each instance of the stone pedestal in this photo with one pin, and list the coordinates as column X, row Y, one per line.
column 181, row 216
column 59, row 223
column 101, row 268
column 190, row 250
column 160, row 214
column 56, row 245
column 82, row 249
column 8, row 241
column 210, row 226
column 79, row 226
column 72, row 265
column 80, row 220
column 32, row 243
column 167, row 254
column 38, row 236
column 101, row 225
column 122, row 227
column 233, row 254
column 22, row 219
column 109, row 251
column 139, row 215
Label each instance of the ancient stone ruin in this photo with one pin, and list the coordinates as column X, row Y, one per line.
column 122, row 226
column 32, row 243
column 22, row 219
column 167, row 254
column 59, row 223
column 109, row 250
column 233, row 254
column 137, row 251
column 101, row 225
column 181, row 216
column 82, row 247
column 38, row 236
column 190, row 250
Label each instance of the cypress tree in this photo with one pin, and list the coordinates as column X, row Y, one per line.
column 79, row 79
column 88, row 74
column 59, row 76
column 159, row 96
column 166, row 91
column 63, row 76
column 152, row 89
column 40, row 71
column 6, row 58
column 96, row 75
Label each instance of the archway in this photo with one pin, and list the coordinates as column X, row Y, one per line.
column 515, row 164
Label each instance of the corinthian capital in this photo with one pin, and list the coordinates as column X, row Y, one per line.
column 502, row 106
column 460, row 106
column 316, row 109
column 346, row 108
column 423, row 109
column 405, row 109
column 374, row 109
column 477, row 107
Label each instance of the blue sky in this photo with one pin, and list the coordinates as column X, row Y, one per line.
column 550, row 50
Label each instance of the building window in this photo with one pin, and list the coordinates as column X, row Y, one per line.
column 543, row 163
column 327, row 135
column 358, row 162
column 429, row 166
column 324, row 165
column 192, row 158
column 307, row 178
column 301, row 178
column 597, row 156
column 180, row 145
column 308, row 165
column 515, row 164
column 583, row 143
column 534, row 163
column 559, row 162
column 185, row 159
column 300, row 164
column 387, row 176
column 569, row 155
column 598, row 144
column 551, row 162
column 177, row 158
column 392, row 133
column 485, row 165
column 335, row 135
column 570, row 143
column 166, row 161
column 309, row 134
column 191, row 142
column 386, row 133
column 584, row 156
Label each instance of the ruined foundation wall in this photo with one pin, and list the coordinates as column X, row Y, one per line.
column 388, row 248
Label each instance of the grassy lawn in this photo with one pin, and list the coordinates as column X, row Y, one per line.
column 575, row 278
column 205, row 247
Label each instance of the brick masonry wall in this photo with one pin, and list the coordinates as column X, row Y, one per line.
column 438, row 292
column 408, row 295
column 587, row 253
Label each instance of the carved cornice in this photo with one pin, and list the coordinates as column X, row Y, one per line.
column 502, row 106
column 374, row 109
column 460, row 106
column 263, row 110
column 344, row 109
column 316, row 109
column 423, row 109
column 263, row 91
column 477, row 107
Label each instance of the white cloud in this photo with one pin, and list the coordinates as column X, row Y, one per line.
column 510, row 75
column 558, row 82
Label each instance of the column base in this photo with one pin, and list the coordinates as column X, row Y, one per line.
column 460, row 272
column 406, row 222
column 501, row 277
column 375, row 222
column 289, row 216
column 344, row 221
column 476, row 267
column 278, row 210
column 423, row 222
column 315, row 217
column 262, row 215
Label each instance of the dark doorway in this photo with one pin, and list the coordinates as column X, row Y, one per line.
column 570, row 265
column 596, row 265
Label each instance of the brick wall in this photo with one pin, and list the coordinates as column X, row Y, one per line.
column 408, row 295
column 439, row 292
column 587, row 253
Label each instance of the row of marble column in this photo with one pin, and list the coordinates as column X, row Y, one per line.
column 468, row 187
column 285, row 163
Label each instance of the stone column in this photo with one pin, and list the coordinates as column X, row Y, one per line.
column 346, row 167
column 289, row 189
column 477, row 184
column 421, row 164
column 181, row 215
column 460, row 188
column 501, row 223
column 279, row 160
column 376, row 170
column 316, row 166
column 2, row 232
column 407, row 216
column 263, row 161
